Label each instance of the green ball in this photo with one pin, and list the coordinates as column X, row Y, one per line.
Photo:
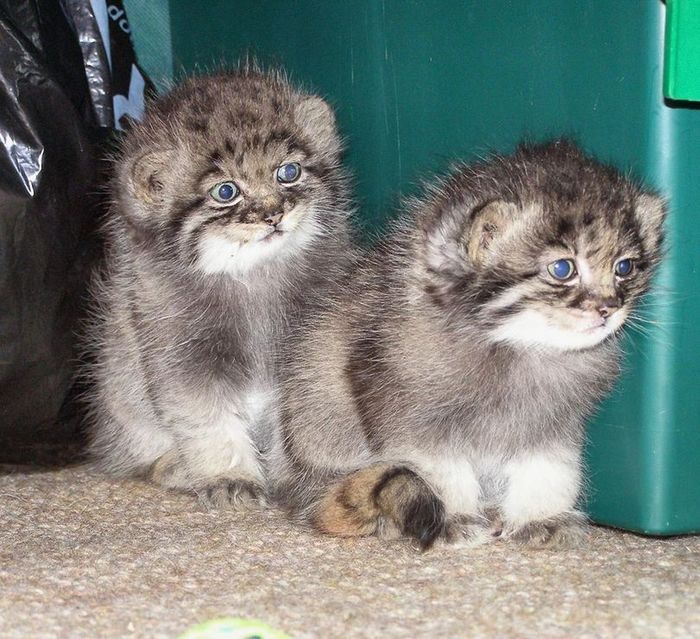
column 233, row 628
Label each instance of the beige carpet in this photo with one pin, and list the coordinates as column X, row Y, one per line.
column 84, row 557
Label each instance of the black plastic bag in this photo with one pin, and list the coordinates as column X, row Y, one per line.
column 54, row 118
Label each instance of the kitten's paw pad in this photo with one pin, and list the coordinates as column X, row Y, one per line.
column 467, row 531
column 237, row 493
column 566, row 531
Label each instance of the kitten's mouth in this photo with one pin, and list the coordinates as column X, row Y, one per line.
column 594, row 326
column 586, row 323
column 600, row 326
column 272, row 236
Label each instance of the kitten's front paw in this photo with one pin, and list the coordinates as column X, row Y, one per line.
column 467, row 531
column 240, row 494
column 568, row 530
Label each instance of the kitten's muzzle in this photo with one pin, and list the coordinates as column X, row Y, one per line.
column 603, row 306
column 594, row 313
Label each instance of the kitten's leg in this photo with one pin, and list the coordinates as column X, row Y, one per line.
column 538, row 506
column 385, row 499
column 454, row 479
column 218, row 462
column 125, row 439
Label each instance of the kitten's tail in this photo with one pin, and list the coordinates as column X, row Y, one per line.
column 370, row 499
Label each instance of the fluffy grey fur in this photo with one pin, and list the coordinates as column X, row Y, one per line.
column 198, row 294
column 456, row 354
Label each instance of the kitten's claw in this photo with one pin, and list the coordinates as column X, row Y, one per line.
column 568, row 530
column 237, row 493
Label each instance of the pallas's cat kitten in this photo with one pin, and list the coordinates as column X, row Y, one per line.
column 230, row 214
column 444, row 393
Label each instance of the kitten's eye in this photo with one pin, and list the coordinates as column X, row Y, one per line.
column 224, row 192
column 288, row 173
column 562, row 269
column 624, row 267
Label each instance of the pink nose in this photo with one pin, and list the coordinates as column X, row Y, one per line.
column 274, row 220
column 607, row 307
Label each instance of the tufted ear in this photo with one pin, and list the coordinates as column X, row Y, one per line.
column 315, row 116
column 487, row 223
column 651, row 212
column 147, row 176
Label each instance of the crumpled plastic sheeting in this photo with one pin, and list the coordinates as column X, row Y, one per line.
column 95, row 56
column 47, row 171
column 117, row 84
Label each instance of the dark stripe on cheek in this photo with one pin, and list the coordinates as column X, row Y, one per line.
column 489, row 288
column 553, row 296
column 179, row 217
column 509, row 311
column 577, row 300
column 196, row 233
column 553, row 285
column 227, row 215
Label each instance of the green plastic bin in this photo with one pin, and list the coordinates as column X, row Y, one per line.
column 682, row 50
column 418, row 83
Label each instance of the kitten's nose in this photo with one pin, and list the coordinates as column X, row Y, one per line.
column 608, row 306
column 274, row 220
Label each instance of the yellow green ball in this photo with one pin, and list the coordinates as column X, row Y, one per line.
column 233, row 628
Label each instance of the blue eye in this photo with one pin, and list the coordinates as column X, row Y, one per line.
column 624, row 267
column 224, row 192
column 288, row 173
column 562, row 269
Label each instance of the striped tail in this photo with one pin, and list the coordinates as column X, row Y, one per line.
column 364, row 502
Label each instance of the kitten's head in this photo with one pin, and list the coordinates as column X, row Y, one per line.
column 232, row 171
column 546, row 247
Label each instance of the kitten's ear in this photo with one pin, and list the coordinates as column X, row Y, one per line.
column 458, row 241
column 651, row 212
column 147, row 176
column 487, row 223
column 315, row 116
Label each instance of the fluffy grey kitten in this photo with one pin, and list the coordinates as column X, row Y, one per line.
column 444, row 395
column 229, row 217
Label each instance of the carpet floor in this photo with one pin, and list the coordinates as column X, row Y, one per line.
column 83, row 556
